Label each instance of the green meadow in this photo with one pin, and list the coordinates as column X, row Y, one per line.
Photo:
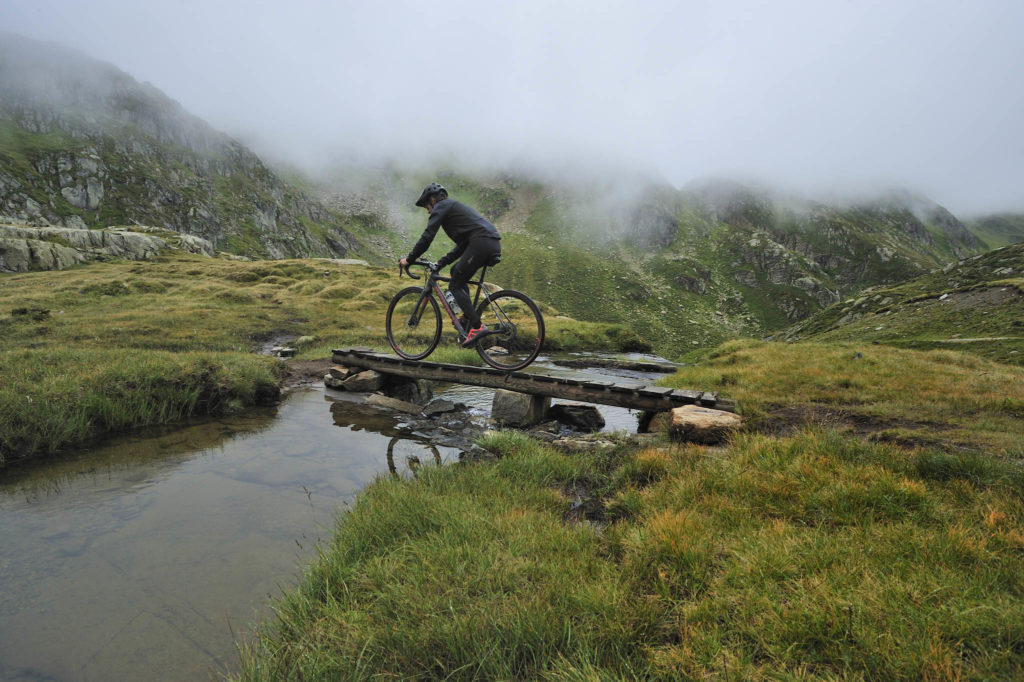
column 867, row 524
column 106, row 347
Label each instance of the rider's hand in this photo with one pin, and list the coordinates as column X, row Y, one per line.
column 403, row 263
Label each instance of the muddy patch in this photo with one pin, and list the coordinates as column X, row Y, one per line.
column 301, row 373
column 786, row 420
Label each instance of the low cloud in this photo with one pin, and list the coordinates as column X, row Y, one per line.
column 809, row 96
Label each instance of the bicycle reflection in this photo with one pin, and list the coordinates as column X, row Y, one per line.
column 412, row 462
column 416, row 450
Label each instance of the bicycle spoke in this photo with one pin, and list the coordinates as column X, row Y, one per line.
column 515, row 330
column 413, row 324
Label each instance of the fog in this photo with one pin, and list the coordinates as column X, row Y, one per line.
column 822, row 96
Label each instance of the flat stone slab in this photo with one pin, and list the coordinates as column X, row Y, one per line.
column 439, row 406
column 378, row 400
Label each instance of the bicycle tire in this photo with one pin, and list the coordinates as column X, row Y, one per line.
column 515, row 330
column 416, row 341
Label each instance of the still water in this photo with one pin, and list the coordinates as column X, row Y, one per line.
column 149, row 557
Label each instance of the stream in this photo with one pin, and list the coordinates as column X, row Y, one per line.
column 149, row 557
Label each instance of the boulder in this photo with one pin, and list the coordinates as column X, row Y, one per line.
column 702, row 425
column 654, row 422
column 364, row 382
column 578, row 417
column 378, row 400
column 511, row 408
column 410, row 390
column 331, row 381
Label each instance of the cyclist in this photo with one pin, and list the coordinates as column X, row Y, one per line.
column 477, row 243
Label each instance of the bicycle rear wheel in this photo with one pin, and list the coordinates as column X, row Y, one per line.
column 515, row 330
column 413, row 324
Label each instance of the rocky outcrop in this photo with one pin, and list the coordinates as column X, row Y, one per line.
column 88, row 146
column 55, row 248
column 652, row 226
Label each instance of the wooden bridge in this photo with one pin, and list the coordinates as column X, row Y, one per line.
column 651, row 398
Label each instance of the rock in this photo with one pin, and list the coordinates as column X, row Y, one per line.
column 340, row 372
column 334, row 382
column 364, row 382
column 378, row 400
column 22, row 255
column 439, row 406
column 658, row 422
column 546, row 432
column 702, row 425
column 578, row 417
column 475, row 453
column 511, row 408
column 410, row 390
column 581, row 445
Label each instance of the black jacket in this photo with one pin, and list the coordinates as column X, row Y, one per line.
column 460, row 222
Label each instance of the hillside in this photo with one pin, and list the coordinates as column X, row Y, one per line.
column 687, row 268
column 83, row 144
column 974, row 305
column 999, row 229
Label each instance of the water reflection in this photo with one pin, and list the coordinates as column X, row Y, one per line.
column 134, row 460
column 411, row 461
column 137, row 560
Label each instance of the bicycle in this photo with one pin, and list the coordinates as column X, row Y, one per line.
column 515, row 326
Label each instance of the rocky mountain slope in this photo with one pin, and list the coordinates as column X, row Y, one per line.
column 974, row 305
column 24, row 248
column 83, row 145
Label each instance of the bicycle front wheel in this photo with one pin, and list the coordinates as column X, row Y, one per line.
column 413, row 323
column 515, row 330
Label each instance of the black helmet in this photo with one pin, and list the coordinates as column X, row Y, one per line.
column 429, row 191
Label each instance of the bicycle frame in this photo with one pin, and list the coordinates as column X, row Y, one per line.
column 503, row 345
column 433, row 288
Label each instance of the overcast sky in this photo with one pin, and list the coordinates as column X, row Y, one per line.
column 814, row 95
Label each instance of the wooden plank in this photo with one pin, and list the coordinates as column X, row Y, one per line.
column 602, row 392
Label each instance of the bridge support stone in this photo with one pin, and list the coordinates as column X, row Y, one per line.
column 511, row 408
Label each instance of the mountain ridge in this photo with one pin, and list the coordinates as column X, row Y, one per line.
column 83, row 144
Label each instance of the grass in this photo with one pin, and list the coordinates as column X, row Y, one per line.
column 950, row 399
column 110, row 346
column 815, row 545
column 813, row 555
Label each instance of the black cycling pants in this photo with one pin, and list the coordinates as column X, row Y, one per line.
column 476, row 255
